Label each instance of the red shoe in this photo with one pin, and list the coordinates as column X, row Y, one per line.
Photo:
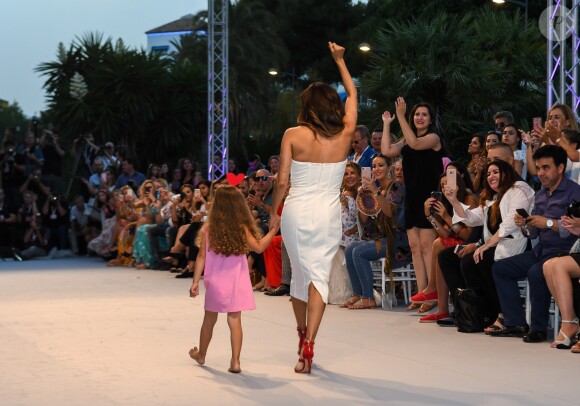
column 432, row 318
column 301, row 338
column 422, row 297
column 306, row 358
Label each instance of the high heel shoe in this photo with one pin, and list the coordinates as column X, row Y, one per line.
column 306, row 358
column 566, row 344
column 301, row 338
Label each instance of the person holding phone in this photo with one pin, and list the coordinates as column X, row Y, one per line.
column 422, row 151
column 477, row 151
column 502, row 195
column 439, row 213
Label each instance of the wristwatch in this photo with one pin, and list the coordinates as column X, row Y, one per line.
column 549, row 223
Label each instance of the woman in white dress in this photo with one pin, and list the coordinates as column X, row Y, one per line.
column 315, row 154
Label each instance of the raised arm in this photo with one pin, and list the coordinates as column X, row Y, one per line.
column 429, row 141
column 387, row 148
column 350, row 107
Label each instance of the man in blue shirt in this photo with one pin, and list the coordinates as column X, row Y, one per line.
column 544, row 224
column 363, row 152
column 129, row 174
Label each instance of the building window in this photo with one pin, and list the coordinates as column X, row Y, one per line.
column 161, row 50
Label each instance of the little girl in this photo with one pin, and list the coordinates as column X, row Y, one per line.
column 222, row 253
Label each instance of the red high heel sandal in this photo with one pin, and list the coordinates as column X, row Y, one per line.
column 306, row 358
column 301, row 338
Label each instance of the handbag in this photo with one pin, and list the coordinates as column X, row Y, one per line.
column 469, row 308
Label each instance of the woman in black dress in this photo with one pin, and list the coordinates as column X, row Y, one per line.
column 422, row 151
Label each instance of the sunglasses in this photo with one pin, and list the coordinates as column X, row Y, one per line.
column 264, row 178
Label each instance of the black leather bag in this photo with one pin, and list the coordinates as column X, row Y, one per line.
column 469, row 308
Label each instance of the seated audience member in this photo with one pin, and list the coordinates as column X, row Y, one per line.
column 152, row 171
column 233, row 166
column 261, row 201
column 560, row 273
column 502, row 195
column 511, row 136
column 274, row 164
column 156, row 232
column 79, row 221
column 440, row 213
column 101, row 244
column 376, row 137
column 501, row 119
column 553, row 239
column 570, row 141
column 376, row 230
column 165, row 172
column 187, row 172
column 478, row 161
column 124, row 229
column 55, row 220
column 559, row 118
column 129, row 174
column 363, row 152
column 108, row 179
column 254, row 164
column 339, row 288
column 491, row 138
column 150, row 206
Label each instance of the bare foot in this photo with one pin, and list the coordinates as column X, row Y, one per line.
column 195, row 354
column 235, row 367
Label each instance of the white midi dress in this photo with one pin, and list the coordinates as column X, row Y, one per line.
column 311, row 224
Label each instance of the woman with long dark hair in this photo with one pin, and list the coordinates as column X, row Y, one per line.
column 315, row 152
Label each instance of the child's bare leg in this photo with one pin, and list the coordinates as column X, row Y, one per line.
column 205, row 335
column 236, row 334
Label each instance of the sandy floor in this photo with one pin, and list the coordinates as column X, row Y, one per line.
column 76, row 332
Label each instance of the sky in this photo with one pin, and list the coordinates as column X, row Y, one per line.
column 30, row 31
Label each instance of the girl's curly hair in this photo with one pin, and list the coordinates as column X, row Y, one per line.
column 228, row 218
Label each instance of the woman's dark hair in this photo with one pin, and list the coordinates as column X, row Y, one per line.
column 432, row 117
column 385, row 158
column 508, row 177
column 481, row 139
column 321, row 110
column 572, row 136
column 517, row 134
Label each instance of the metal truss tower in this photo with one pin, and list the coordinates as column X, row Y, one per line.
column 562, row 59
column 217, row 88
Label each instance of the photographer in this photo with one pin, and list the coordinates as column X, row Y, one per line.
column 108, row 157
column 12, row 167
column 55, row 222
column 52, row 168
column 35, row 185
column 84, row 150
column 34, row 158
column 7, row 222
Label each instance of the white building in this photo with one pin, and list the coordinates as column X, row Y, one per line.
column 160, row 39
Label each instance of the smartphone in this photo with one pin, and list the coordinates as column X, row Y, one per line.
column 522, row 213
column 439, row 197
column 196, row 193
column 452, row 177
column 157, row 194
column 536, row 121
column 458, row 248
column 366, row 172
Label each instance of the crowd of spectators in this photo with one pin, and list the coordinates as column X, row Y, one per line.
column 487, row 224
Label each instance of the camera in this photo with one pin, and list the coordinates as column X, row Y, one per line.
column 573, row 209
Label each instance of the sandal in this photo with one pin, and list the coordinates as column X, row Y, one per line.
column 426, row 307
column 350, row 302
column 566, row 343
column 370, row 304
column 413, row 306
column 496, row 326
column 576, row 348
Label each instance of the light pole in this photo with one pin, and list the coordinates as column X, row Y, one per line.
column 523, row 4
column 292, row 74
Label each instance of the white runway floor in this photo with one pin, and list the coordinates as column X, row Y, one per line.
column 74, row 332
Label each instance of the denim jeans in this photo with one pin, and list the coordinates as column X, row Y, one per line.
column 358, row 257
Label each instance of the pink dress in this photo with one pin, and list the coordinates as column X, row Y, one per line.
column 227, row 283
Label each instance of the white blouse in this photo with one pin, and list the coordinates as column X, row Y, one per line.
column 520, row 196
